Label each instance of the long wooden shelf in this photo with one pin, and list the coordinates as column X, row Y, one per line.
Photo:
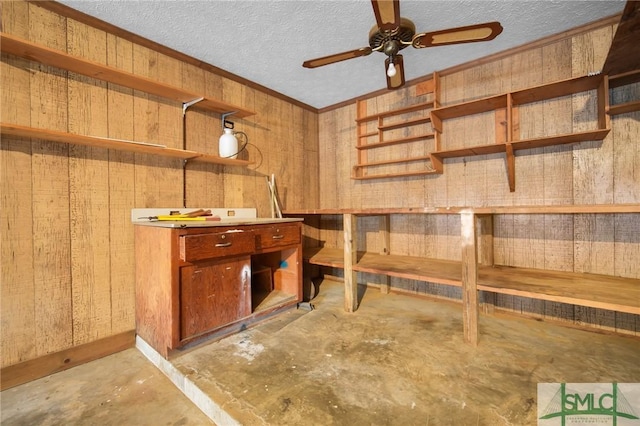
column 16, row 130
column 516, row 209
column 27, row 50
column 589, row 135
column 396, row 174
column 591, row 290
column 614, row 293
column 557, row 89
column 506, row 112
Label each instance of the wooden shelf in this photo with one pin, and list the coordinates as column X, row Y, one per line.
column 27, row 50
column 496, row 148
column 624, row 108
column 396, row 141
column 366, row 135
column 624, row 79
column 477, row 106
column 506, row 107
column 556, row 89
column 613, row 293
column 364, row 144
column 117, row 144
column 400, row 111
column 619, row 80
column 526, row 209
column 401, row 160
column 590, row 135
column 473, row 150
column 404, row 124
column 396, row 175
column 591, row 290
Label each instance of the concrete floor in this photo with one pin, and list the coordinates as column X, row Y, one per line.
column 121, row 389
column 398, row 360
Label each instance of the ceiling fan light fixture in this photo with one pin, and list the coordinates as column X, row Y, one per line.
column 391, row 71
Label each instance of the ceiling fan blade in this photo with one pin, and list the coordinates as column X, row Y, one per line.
column 387, row 14
column 469, row 34
column 397, row 81
column 326, row 60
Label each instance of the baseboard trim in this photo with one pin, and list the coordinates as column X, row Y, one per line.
column 17, row 374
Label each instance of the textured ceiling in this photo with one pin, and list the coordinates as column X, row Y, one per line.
column 267, row 41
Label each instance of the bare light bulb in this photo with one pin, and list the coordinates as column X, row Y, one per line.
column 392, row 70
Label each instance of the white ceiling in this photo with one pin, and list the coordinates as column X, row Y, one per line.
column 267, row 41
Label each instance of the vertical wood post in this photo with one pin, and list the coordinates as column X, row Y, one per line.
column 485, row 257
column 385, row 240
column 350, row 259
column 469, row 278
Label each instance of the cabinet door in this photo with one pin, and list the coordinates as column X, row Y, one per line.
column 214, row 293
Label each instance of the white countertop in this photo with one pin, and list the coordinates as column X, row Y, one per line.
column 240, row 221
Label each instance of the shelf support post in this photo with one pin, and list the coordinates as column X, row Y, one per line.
column 469, row 277
column 485, row 257
column 350, row 259
column 385, row 241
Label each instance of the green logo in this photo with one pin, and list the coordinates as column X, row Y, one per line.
column 592, row 403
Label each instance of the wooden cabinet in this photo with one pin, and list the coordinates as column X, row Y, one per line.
column 476, row 271
column 197, row 282
column 213, row 294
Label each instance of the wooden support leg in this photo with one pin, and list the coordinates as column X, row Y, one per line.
column 469, row 278
column 385, row 241
column 350, row 259
column 485, row 257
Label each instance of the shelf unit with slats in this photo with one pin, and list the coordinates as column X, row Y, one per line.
column 394, row 135
column 507, row 106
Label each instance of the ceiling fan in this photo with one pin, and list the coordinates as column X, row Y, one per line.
column 393, row 33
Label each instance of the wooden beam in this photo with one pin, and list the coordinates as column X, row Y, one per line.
column 350, row 259
column 469, row 278
column 385, row 241
column 488, row 299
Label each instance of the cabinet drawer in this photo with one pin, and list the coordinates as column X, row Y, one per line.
column 277, row 236
column 208, row 246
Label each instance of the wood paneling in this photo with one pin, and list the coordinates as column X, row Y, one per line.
column 18, row 298
column 51, row 196
column 581, row 173
column 68, row 263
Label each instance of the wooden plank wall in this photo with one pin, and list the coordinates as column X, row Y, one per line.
column 584, row 173
column 67, row 239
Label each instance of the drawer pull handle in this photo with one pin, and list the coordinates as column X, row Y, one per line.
column 223, row 244
column 278, row 237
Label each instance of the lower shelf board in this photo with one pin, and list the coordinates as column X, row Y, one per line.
column 591, row 290
column 266, row 300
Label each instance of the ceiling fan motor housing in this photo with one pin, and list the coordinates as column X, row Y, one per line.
column 390, row 42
